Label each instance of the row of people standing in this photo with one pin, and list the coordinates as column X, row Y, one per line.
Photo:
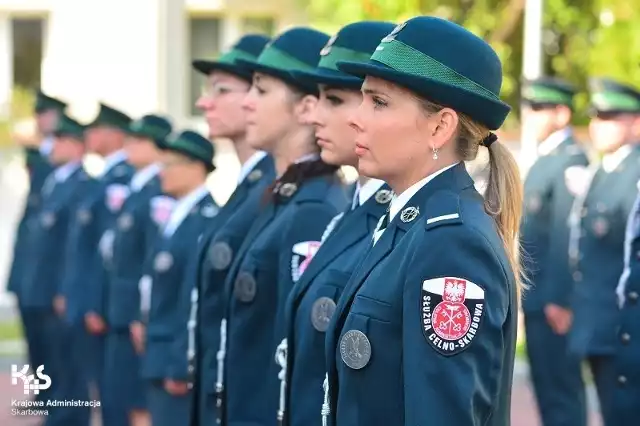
column 573, row 232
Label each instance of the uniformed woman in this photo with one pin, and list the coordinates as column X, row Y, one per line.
column 306, row 195
column 186, row 163
column 401, row 346
column 134, row 234
column 313, row 298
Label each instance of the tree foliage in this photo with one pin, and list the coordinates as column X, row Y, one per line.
column 581, row 38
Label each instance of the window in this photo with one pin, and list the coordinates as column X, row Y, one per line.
column 27, row 51
column 204, row 39
column 258, row 25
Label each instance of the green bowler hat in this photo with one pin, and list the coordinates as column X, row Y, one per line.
column 248, row 47
column 297, row 49
column 192, row 145
column 612, row 97
column 442, row 62
column 68, row 127
column 111, row 117
column 46, row 103
column 354, row 43
column 548, row 91
column 151, row 127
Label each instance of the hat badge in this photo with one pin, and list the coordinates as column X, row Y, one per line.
column 327, row 48
column 392, row 34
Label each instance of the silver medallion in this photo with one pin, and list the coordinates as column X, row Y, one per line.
column 383, row 196
column 254, row 175
column 409, row 214
column 209, row 210
column 163, row 261
column 355, row 349
column 245, row 287
column 125, row 221
column 321, row 313
column 84, row 216
column 221, row 255
column 288, row 189
column 47, row 219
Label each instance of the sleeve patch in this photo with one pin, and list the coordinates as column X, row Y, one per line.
column 451, row 313
column 302, row 253
column 161, row 208
column 116, row 196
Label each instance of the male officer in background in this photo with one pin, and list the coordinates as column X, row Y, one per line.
column 556, row 374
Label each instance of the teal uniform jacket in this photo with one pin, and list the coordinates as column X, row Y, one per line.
column 313, row 300
column 276, row 251
column 38, row 168
column 544, row 233
column 425, row 330
column 600, row 260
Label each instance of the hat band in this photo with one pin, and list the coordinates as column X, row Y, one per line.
column 337, row 53
column 545, row 95
column 188, row 147
column 275, row 58
column 615, row 101
column 232, row 55
column 405, row 59
column 151, row 131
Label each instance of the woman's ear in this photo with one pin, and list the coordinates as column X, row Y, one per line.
column 304, row 109
column 444, row 126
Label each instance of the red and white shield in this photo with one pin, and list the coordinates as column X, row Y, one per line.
column 303, row 253
column 452, row 309
column 116, row 196
column 161, row 208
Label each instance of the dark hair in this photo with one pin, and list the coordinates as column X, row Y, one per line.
column 298, row 174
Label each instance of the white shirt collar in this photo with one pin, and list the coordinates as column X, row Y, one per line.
column 611, row 161
column 182, row 208
column 112, row 159
column 62, row 173
column 47, row 146
column 143, row 176
column 398, row 202
column 554, row 140
column 308, row 157
column 249, row 165
column 366, row 191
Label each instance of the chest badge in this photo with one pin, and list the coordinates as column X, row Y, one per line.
column 254, row 176
column 321, row 313
column 84, row 216
column 125, row 221
column 209, row 211
column 409, row 214
column 288, row 189
column 163, row 261
column 221, row 255
column 355, row 349
column 47, row 219
column 600, row 227
column 451, row 313
column 245, row 287
column 383, row 196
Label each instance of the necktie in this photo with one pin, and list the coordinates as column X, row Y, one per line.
column 382, row 225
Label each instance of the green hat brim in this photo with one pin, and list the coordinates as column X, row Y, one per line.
column 286, row 76
column 489, row 112
column 207, row 67
column 163, row 146
column 328, row 77
column 538, row 104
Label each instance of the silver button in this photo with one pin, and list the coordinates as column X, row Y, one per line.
column 633, row 295
column 577, row 276
column 625, row 337
column 622, row 380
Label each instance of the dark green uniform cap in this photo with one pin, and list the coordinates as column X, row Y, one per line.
column 355, row 43
column 68, row 127
column 192, row 145
column 611, row 97
column 442, row 62
column 297, row 49
column 248, row 47
column 151, row 127
column 46, row 103
column 548, row 91
column 111, row 117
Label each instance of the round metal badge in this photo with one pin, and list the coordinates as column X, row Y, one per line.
column 47, row 219
column 534, row 204
column 383, row 196
column 321, row 313
column 288, row 189
column 245, row 287
column 221, row 255
column 163, row 261
column 209, row 211
column 600, row 227
column 125, row 221
column 355, row 349
column 254, row 175
column 409, row 214
column 84, row 216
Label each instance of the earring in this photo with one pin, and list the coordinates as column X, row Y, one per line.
column 435, row 153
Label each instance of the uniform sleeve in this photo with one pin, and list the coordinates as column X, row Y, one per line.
column 455, row 306
column 96, row 274
column 561, row 284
